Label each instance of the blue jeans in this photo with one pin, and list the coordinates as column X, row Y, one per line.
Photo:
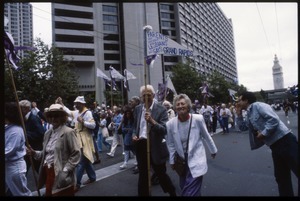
column 107, row 145
column 86, row 165
column 99, row 141
column 225, row 124
column 286, row 159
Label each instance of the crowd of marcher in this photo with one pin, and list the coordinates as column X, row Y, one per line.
column 62, row 143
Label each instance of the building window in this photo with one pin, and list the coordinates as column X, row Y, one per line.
column 77, row 51
column 113, row 37
column 111, row 46
column 110, row 18
column 115, row 57
column 111, row 9
column 166, row 7
column 110, row 27
column 167, row 24
column 167, row 15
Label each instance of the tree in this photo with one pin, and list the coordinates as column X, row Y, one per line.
column 186, row 80
column 218, row 86
column 42, row 77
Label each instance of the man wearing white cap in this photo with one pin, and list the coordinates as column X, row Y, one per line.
column 84, row 125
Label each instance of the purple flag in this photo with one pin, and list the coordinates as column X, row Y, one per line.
column 150, row 59
column 161, row 92
column 205, row 92
column 10, row 51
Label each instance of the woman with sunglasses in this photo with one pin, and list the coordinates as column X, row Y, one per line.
column 60, row 155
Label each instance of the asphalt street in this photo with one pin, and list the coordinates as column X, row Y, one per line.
column 236, row 170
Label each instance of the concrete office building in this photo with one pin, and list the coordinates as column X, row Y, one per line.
column 99, row 35
column 19, row 24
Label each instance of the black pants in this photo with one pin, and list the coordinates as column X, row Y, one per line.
column 286, row 159
column 159, row 169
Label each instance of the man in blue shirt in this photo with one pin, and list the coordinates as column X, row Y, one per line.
column 265, row 127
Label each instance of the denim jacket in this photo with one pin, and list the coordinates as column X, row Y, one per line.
column 261, row 117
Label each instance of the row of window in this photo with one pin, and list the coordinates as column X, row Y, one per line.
column 110, row 9
column 72, row 13
column 110, row 27
column 110, row 18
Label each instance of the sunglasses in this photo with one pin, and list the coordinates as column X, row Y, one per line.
column 54, row 115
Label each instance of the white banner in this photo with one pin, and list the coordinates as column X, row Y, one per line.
column 115, row 74
column 101, row 74
column 129, row 75
column 170, row 85
column 158, row 43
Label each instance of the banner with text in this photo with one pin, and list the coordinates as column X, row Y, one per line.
column 158, row 43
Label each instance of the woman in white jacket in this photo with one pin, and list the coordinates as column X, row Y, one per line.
column 177, row 141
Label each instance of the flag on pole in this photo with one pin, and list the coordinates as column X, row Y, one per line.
column 205, row 92
column 112, row 78
column 150, row 59
column 127, row 76
column 232, row 94
column 204, row 89
column 101, row 74
column 11, row 53
column 126, row 84
column 115, row 74
column 6, row 20
column 170, row 85
column 11, row 50
column 161, row 92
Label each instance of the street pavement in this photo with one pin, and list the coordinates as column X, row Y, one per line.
column 236, row 170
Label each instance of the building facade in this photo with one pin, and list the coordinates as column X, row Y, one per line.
column 20, row 24
column 99, row 35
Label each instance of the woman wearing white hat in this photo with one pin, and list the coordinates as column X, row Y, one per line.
column 60, row 155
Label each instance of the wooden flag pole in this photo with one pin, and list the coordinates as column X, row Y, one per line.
column 147, row 109
column 22, row 120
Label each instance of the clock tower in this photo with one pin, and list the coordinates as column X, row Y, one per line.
column 277, row 74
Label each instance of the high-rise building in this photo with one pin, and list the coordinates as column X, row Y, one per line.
column 19, row 25
column 277, row 74
column 100, row 35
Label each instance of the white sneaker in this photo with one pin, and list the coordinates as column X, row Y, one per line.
column 288, row 121
column 124, row 166
column 110, row 154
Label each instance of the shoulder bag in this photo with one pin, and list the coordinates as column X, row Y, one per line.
column 180, row 164
column 105, row 133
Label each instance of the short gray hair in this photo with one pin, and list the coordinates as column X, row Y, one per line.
column 25, row 103
column 185, row 97
column 167, row 103
column 148, row 87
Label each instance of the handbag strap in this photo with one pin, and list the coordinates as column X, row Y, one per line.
column 188, row 139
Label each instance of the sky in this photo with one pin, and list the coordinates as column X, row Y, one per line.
column 261, row 30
